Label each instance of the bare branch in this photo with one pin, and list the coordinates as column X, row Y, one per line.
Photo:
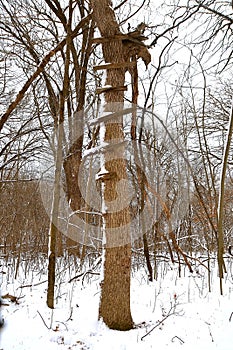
column 39, row 70
column 227, row 18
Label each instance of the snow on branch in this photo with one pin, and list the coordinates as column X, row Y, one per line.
column 110, row 116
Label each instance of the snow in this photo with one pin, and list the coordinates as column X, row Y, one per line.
column 200, row 320
column 95, row 150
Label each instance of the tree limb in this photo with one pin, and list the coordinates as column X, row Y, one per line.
column 39, row 70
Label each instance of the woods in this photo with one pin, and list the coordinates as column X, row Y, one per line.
column 116, row 143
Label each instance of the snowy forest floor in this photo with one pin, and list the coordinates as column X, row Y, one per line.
column 170, row 313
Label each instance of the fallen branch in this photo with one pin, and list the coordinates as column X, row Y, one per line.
column 12, row 298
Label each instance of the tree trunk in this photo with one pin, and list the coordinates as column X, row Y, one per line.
column 53, row 231
column 221, row 199
column 115, row 296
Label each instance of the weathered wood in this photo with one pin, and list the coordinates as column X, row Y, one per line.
column 114, row 65
column 108, row 88
column 122, row 37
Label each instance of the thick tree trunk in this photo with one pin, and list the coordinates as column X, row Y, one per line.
column 115, row 296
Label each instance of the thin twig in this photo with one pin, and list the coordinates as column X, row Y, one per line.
column 91, row 273
column 43, row 320
column 63, row 325
column 75, row 277
column 181, row 341
column 71, row 313
column 32, row 285
column 172, row 308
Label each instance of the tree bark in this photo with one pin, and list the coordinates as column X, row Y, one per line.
column 115, row 295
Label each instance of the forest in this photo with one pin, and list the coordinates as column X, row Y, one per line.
column 116, row 183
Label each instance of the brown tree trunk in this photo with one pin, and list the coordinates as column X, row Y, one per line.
column 115, row 296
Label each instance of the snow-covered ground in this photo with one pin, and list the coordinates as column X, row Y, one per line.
column 197, row 319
